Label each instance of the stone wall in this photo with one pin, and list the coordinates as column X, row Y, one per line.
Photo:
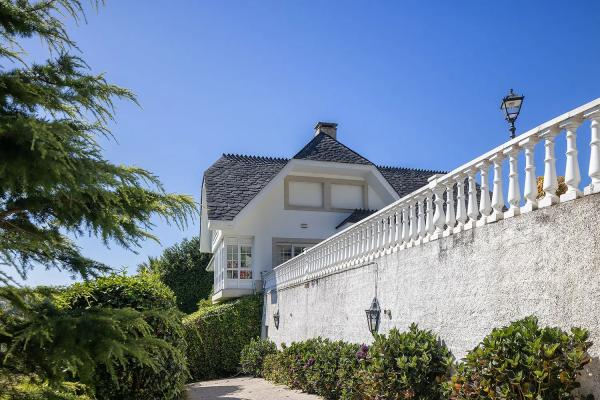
column 545, row 263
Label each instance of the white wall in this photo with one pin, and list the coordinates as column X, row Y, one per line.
column 545, row 263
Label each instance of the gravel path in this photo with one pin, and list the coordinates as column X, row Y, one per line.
column 243, row 388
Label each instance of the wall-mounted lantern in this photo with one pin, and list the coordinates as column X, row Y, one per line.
column 511, row 106
column 373, row 316
column 276, row 319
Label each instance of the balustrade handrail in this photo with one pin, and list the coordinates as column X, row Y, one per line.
column 409, row 224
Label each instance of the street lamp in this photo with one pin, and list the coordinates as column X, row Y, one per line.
column 373, row 315
column 511, row 106
column 276, row 319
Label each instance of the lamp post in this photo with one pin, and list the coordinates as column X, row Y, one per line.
column 511, row 106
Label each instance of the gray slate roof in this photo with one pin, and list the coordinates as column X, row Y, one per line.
column 406, row 180
column 356, row 215
column 234, row 180
column 325, row 148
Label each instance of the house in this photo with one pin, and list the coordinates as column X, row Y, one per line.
column 258, row 212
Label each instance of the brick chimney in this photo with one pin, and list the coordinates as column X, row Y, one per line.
column 328, row 128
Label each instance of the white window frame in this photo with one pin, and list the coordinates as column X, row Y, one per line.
column 238, row 244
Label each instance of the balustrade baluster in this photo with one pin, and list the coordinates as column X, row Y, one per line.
column 397, row 226
column 572, row 174
column 497, row 195
column 412, row 231
column 550, row 178
column 594, row 167
column 439, row 218
column 450, row 215
column 421, row 232
column 472, row 207
column 405, row 226
column 530, row 192
column 461, row 211
column 485, row 204
column 384, row 232
column 514, row 191
column 429, row 227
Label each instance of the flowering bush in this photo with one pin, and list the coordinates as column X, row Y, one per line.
column 405, row 365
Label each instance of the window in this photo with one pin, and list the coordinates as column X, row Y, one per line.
column 239, row 261
column 287, row 251
column 322, row 194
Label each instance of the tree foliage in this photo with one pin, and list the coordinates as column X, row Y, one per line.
column 54, row 180
column 182, row 267
column 56, row 185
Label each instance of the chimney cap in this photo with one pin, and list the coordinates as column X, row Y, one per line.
column 328, row 128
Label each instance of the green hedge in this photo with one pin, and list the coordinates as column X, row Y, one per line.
column 146, row 294
column 217, row 333
column 412, row 364
column 519, row 362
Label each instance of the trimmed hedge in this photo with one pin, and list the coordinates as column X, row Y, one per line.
column 217, row 333
column 146, row 294
column 523, row 361
column 253, row 356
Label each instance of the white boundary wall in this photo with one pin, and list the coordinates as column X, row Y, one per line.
column 544, row 263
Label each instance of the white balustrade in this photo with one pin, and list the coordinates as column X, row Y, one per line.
column 421, row 232
column 450, row 215
column 429, row 227
column 485, row 204
column 514, row 192
column 461, row 211
column 439, row 219
column 420, row 217
column 572, row 174
column 497, row 194
column 472, row 207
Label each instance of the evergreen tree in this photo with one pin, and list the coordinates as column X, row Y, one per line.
column 182, row 267
column 55, row 185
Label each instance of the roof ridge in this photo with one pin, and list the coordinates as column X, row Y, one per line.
column 253, row 157
column 412, row 169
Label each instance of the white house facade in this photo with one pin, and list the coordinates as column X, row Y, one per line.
column 258, row 212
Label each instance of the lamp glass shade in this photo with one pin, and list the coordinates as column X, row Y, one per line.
column 373, row 316
column 511, row 106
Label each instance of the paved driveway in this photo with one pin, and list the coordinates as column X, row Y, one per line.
column 243, row 388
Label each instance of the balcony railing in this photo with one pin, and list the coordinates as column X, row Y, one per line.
column 424, row 216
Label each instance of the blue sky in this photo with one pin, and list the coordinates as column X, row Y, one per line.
column 411, row 83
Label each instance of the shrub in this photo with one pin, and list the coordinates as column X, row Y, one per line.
column 217, row 333
column 253, row 355
column 405, row 365
column 523, row 361
column 182, row 267
column 317, row 366
column 30, row 390
column 164, row 379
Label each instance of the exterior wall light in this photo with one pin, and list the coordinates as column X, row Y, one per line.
column 373, row 316
column 276, row 319
column 511, row 106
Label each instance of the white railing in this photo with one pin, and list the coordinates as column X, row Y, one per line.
column 420, row 217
